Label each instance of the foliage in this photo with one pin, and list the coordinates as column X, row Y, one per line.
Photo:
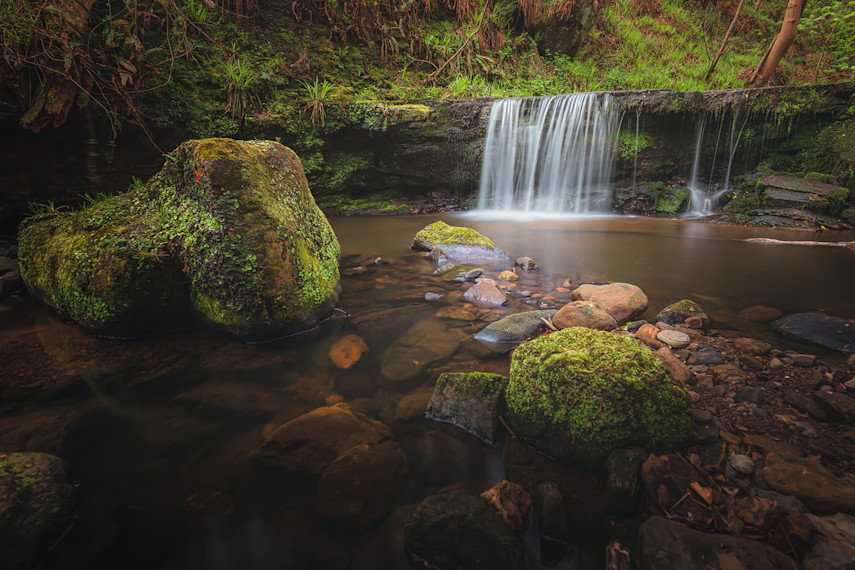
column 317, row 94
column 240, row 79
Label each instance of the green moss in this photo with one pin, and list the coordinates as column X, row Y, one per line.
column 443, row 234
column 631, row 143
column 477, row 384
column 672, row 200
column 597, row 391
column 742, row 204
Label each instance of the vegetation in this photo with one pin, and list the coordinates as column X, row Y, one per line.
column 209, row 67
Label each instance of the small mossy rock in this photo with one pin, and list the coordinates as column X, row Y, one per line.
column 509, row 332
column 579, row 394
column 836, row 333
column 312, row 441
column 666, row 544
column 37, row 505
column 459, row 531
column 360, row 488
column 623, row 301
column 677, row 313
column 583, row 314
column 470, row 400
column 459, row 244
column 227, row 233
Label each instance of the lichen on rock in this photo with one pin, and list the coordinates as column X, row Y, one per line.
column 579, row 394
column 227, row 233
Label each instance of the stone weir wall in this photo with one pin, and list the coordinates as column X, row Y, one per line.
column 374, row 156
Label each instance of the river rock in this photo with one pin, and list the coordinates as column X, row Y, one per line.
column 508, row 332
column 485, row 294
column 836, row 333
column 647, row 334
column 526, row 263
column 425, row 343
column 37, row 506
column 361, row 486
column 817, row 487
column 677, row 313
column 508, row 276
column 624, row 480
column 459, row 244
column 312, row 441
column 226, row 234
column 623, row 301
column 583, row 314
column 473, row 274
column 839, row 408
column 347, row 351
column 10, row 281
column 706, row 357
column 666, row 544
column 551, row 515
column 511, row 502
column 412, row 407
column 674, row 365
column 752, row 346
column 833, row 545
column 579, row 394
column 674, row 339
column 760, row 314
column 459, row 531
column 470, row 400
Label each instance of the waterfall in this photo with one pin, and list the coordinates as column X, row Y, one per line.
column 551, row 155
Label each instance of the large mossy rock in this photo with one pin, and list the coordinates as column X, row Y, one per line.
column 37, row 505
column 227, row 233
column 459, row 244
column 579, row 394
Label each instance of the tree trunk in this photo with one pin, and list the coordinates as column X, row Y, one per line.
column 779, row 46
column 724, row 41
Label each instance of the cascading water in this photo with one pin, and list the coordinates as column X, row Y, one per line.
column 550, row 155
column 702, row 201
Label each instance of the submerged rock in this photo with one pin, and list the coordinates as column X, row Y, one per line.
column 836, row 333
column 227, row 233
column 425, row 343
column 470, row 400
column 580, row 394
column 459, row 531
column 37, row 505
column 458, row 244
column 623, row 301
column 511, row 502
column 510, row 331
column 677, row 313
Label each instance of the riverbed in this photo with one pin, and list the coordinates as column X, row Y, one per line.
column 160, row 432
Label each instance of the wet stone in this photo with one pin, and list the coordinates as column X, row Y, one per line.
column 429, row 296
column 752, row 346
column 473, row 274
column 751, row 362
column 750, row 394
column 839, row 408
column 707, row 357
column 775, row 364
column 820, row 489
column 508, row 276
column 742, row 464
column 803, row 360
column 674, row 339
column 526, row 263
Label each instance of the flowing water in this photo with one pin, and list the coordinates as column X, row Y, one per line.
column 550, row 154
column 160, row 432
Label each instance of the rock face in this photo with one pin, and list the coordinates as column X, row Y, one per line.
column 312, row 441
column 623, row 301
column 227, row 233
column 791, row 192
column 836, row 333
column 580, row 394
column 361, row 486
column 510, row 331
column 37, row 505
column 583, row 314
column 668, row 544
column 459, row 244
column 459, row 531
column 470, row 400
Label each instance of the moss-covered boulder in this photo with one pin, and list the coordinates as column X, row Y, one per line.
column 37, row 506
column 579, row 394
column 227, row 233
column 460, row 244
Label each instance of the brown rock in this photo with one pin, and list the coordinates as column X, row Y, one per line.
column 511, row 502
column 694, row 323
column 623, row 301
column 583, row 314
column 347, row 351
column 674, row 365
column 647, row 334
column 485, row 294
column 839, row 408
column 752, row 346
column 508, row 276
column 820, row 489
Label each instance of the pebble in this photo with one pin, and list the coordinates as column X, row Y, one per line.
column 803, row 360
column 775, row 364
column 433, row 296
column 664, row 326
column 741, row 463
column 525, row 262
column 707, row 357
column 674, row 339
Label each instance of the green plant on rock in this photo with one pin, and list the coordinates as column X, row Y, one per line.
column 45, row 208
column 240, row 82
column 316, row 93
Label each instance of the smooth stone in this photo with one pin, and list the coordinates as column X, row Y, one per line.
column 485, row 294
column 551, row 514
column 666, row 544
column 526, row 263
column 742, row 464
column 361, row 486
column 473, row 274
column 836, row 333
column 760, row 314
column 624, row 480
column 508, row 276
column 647, row 334
column 633, row 326
column 347, row 351
column 511, row 502
column 583, row 314
column 412, row 407
column 510, row 331
column 674, row 365
column 10, row 282
column 457, row 313
column 786, row 503
column 750, row 394
column 429, row 296
column 444, row 268
column 775, row 364
column 802, row 360
column 425, row 343
column 817, row 487
column 752, row 362
column 840, row 408
column 850, row 362
column 694, row 322
column 623, row 301
column 752, row 346
column 706, row 357
column 674, row 339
